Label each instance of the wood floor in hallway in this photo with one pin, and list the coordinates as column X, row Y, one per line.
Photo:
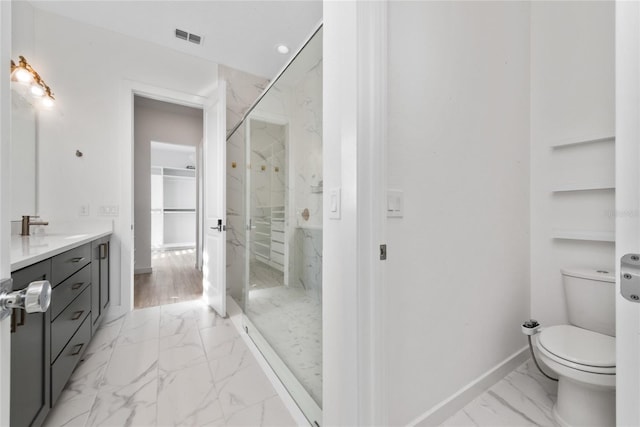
column 174, row 279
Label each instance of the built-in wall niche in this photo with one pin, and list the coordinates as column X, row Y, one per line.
column 173, row 196
column 583, row 192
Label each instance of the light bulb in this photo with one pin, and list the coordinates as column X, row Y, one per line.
column 23, row 76
column 37, row 90
column 47, row 102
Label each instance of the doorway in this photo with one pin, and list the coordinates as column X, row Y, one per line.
column 167, row 181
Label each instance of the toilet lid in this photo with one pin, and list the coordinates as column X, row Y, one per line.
column 579, row 345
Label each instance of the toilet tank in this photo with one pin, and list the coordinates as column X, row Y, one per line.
column 590, row 297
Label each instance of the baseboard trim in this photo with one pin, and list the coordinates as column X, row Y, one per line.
column 445, row 409
column 145, row 270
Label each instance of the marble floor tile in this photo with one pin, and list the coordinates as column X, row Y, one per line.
column 132, row 363
column 247, row 387
column 290, row 319
column 188, row 397
column 73, row 413
column 523, row 398
column 219, row 340
column 226, row 365
column 140, row 325
column 176, row 326
column 268, row 413
column 168, row 366
column 132, row 405
column 181, row 351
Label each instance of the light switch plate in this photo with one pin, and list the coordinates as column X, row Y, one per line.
column 84, row 210
column 334, row 203
column 109, row 210
column 395, row 204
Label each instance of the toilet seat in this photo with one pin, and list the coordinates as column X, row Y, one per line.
column 579, row 349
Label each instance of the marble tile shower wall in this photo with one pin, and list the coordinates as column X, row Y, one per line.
column 306, row 136
column 267, row 154
column 242, row 91
column 308, row 261
column 301, row 103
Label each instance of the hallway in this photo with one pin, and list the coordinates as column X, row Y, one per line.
column 177, row 364
column 174, row 279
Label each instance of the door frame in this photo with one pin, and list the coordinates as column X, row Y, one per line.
column 354, row 167
column 627, row 206
column 5, row 206
column 129, row 89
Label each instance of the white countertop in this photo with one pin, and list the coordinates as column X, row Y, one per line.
column 27, row 250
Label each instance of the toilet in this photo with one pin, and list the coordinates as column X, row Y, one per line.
column 582, row 353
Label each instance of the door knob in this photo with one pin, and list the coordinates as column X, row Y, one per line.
column 33, row 299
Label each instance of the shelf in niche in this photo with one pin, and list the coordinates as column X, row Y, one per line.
column 583, row 188
column 594, row 236
column 572, row 142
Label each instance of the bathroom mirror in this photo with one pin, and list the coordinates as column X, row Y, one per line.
column 23, row 157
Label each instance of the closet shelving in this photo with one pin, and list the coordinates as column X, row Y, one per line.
column 173, row 207
column 583, row 235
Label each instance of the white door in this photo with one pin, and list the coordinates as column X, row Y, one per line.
column 627, row 206
column 5, row 200
column 215, row 154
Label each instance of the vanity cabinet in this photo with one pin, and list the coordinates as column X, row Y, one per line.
column 70, row 307
column 30, row 356
column 100, row 290
column 46, row 347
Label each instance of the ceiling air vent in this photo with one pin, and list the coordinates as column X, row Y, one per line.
column 184, row 35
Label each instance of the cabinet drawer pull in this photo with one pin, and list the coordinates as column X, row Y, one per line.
column 77, row 259
column 104, row 251
column 22, row 317
column 13, row 321
column 77, row 315
column 77, row 286
column 76, row 349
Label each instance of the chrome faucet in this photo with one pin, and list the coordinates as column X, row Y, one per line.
column 27, row 223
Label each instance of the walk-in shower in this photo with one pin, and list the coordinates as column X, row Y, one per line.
column 281, row 294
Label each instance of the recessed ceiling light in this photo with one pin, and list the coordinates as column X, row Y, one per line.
column 283, row 49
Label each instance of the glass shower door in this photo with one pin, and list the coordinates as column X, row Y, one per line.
column 283, row 206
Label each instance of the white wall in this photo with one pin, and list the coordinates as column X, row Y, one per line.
column 87, row 67
column 161, row 122
column 572, row 96
column 458, row 261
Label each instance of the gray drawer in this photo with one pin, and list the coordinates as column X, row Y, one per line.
column 67, row 263
column 69, row 290
column 63, row 367
column 68, row 322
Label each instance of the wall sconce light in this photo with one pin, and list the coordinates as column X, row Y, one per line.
column 25, row 75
